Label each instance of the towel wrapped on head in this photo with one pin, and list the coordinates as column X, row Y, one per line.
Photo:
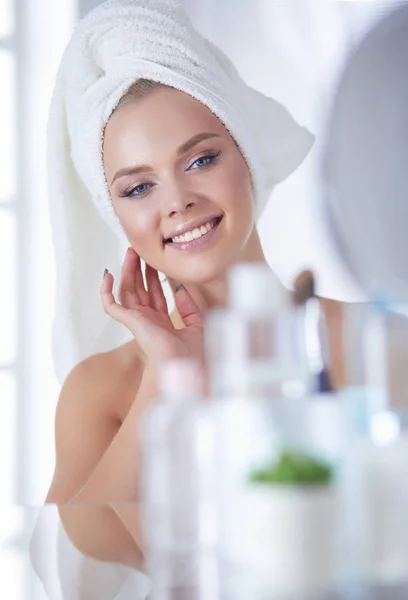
column 116, row 44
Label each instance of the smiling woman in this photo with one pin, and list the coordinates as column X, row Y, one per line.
column 155, row 135
column 187, row 172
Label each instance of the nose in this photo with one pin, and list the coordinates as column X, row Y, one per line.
column 177, row 202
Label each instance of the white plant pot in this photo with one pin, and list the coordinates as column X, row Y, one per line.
column 290, row 532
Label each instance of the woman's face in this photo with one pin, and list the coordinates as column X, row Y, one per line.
column 180, row 187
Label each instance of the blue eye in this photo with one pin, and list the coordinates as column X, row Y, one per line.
column 202, row 162
column 139, row 190
column 143, row 188
column 205, row 161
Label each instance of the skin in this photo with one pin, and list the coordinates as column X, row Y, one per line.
column 96, row 479
column 180, row 177
column 180, row 188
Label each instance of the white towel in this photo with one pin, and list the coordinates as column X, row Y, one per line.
column 114, row 45
column 67, row 574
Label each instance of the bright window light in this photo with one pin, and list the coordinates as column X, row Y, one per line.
column 8, row 437
column 8, row 296
column 6, row 18
column 7, row 122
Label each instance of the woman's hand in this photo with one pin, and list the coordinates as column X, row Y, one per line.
column 144, row 312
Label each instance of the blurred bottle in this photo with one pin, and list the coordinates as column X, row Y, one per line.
column 374, row 488
column 253, row 347
column 374, row 477
column 178, row 487
column 386, row 355
column 259, row 379
column 376, row 355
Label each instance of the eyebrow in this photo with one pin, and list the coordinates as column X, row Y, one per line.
column 196, row 139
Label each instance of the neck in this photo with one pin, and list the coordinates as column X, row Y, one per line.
column 214, row 294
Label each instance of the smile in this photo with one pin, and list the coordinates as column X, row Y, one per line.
column 195, row 238
column 196, row 233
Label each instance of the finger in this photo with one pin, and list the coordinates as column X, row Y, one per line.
column 112, row 308
column 156, row 294
column 141, row 291
column 188, row 309
column 148, row 334
column 127, row 293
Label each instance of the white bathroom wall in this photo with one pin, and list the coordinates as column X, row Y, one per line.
column 44, row 29
column 33, row 34
column 294, row 51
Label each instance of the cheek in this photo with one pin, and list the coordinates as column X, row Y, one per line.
column 138, row 222
column 238, row 190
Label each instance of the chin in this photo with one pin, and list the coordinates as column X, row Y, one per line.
column 202, row 269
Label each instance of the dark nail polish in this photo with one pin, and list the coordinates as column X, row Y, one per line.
column 104, row 273
column 180, row 287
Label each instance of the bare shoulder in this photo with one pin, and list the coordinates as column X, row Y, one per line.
column 108, row 381
column 93, row 402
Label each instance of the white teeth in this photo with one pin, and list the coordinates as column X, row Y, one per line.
column 194, row 234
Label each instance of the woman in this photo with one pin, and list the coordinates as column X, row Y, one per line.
column 188, row 155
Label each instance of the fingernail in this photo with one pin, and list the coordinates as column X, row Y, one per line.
column 180, row 287
column 105, row 273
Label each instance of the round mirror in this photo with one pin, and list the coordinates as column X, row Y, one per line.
column 365, row 166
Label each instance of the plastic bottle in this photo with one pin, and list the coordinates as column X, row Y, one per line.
column 253, row 346
column 259, row 384
column 177, row 487
column 375, row 470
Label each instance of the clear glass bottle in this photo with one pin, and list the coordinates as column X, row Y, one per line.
column 374, row 477
column 259, row 384
column 178, row 487
column 253, row 347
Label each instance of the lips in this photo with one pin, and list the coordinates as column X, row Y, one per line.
column 194, row 230
column 204, row 240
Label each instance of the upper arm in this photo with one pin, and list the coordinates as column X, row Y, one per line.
column 84, row 428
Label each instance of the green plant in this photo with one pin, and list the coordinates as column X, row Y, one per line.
column 293, row 467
